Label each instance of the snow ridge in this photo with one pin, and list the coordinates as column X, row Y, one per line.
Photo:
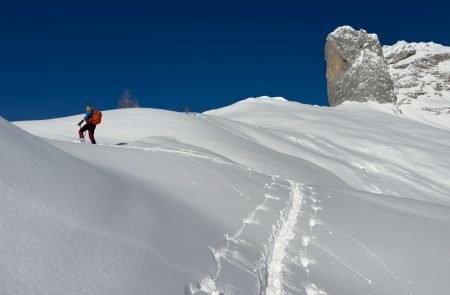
column 183, row 152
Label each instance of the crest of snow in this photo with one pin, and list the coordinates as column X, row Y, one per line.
column 264, row 98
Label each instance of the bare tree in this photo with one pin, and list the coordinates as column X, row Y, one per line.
column 127, row 100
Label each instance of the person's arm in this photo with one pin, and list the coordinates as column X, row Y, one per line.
column 86, row 116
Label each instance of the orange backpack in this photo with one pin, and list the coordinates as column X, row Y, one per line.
column 96, row 117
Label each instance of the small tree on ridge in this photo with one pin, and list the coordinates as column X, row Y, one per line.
column 127, row 100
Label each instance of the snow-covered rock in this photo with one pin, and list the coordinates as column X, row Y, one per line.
column 413, row 77
column 419, row 70
column 421, row 75
column 356, row 70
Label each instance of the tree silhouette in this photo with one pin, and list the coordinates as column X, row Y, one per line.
column 127, row 100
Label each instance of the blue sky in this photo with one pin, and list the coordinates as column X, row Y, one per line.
column 56, row 57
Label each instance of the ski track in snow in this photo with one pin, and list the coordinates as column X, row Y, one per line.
column 183, row 152
column 353, row 269
column 270, row 271
column 183, row 172
column 226, row 253
column 307, row 239
column 371, row 253
column 232, row 186
column 208, row 283
column 281, row 242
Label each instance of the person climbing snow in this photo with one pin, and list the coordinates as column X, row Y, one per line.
column 92, row 119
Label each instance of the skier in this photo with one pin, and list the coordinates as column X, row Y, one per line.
column 92, row 119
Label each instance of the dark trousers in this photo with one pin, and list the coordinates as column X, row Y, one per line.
column 91, row 129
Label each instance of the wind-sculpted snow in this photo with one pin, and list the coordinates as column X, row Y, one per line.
column 364, row 144
column 263, row 197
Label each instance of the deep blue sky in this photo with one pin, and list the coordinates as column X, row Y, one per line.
column 56, row 57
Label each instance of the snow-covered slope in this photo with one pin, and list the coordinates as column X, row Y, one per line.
column 144, row 219
column 421, row 75
column 262, row 197
column 363, row 144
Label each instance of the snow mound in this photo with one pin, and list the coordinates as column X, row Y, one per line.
column 62, row 220
column 265, row 98
column 259, row 99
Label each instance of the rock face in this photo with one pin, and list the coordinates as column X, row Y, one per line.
column 414, row 77
column 356, row 69
column 421, row 73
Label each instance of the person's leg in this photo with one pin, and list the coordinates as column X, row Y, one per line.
column 91, row 133
column 82, row 130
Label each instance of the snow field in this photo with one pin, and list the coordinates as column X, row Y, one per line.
column 262, row 197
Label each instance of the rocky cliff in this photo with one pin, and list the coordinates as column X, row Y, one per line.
column 414, row 77
column 421, row 76
column 356, row 68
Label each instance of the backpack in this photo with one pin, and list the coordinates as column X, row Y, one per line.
column 96, row 117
